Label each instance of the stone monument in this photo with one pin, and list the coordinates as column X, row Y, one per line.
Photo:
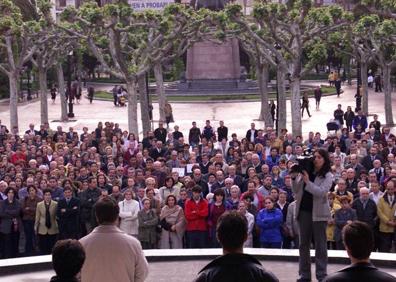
column 210, row 65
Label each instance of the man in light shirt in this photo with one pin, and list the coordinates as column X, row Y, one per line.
column 111, row 254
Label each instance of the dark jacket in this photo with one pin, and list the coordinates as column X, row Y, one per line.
column 88, row 198
column 341, row 218
column 348, row 117
column 69, row 220
column 360, row 272
column 368, row 214
column 9, row 215
column 235, row 268
column 367, row 161
column 222, row 132
column 194, row 135
column 63, row 279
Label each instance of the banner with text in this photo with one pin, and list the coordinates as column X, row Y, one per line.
column 141, row 5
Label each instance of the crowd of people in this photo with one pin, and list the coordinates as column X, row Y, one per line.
column 172, row 188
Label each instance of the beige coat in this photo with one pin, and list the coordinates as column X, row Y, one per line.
column 112, row 255
column 39, row 224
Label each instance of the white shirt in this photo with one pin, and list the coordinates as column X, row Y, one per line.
column 250, row 219
column 129, row 216
column 376, row 197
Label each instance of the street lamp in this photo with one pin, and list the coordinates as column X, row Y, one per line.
column 277, row 47
column 70, row 94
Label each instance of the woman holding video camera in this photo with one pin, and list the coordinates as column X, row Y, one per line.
column 312, row 212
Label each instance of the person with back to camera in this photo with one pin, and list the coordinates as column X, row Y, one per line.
column 111, row 254
column 234, row 265
column 358, row 240
column 68, row 257
column 312, row 213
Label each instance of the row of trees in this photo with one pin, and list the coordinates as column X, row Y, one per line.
column 291, row 37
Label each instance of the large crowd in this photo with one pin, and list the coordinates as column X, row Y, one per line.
column 171, row 189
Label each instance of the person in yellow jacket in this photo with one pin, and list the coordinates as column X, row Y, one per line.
column 45, row 224
column 386, row 210
column 331, row 245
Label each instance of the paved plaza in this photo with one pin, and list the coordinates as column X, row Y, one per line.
column 237, row 115
column 185, row 271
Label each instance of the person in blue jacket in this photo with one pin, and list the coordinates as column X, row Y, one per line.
column 269, row 220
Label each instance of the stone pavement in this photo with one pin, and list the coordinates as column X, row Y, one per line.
column 237, row 115
column 185, row 271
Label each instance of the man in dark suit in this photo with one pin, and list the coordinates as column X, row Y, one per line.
column 222, row 132
column 359, row 240
column 160, row 133
column 367, row 161
column 252, row 133
column 158, row 151
column 68, row 214
column 366, row 209
column 354, row 164
column 197, row 177
column 31, row 130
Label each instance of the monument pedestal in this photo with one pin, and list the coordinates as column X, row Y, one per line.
column 212, row 66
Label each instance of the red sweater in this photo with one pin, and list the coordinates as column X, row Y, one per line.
column 196, row 214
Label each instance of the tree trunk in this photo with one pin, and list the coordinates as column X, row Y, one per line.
column 132, row 107
column 43, row 95
column 62, row 92
column 144, row 110
column 363, row 75
column 13, row 79
column 280, row 78
column 295, row 98
column 388, row 95
column 349, row 74
column 262, row 78
column 159, row 80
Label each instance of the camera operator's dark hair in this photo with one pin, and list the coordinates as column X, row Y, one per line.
column 326, row 165
column 231, row 230
column 359, row 239
column 68, row 257
column 106, row 210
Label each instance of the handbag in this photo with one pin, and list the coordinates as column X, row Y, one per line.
column 165, row 225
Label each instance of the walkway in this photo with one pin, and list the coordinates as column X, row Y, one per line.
column 237, row 115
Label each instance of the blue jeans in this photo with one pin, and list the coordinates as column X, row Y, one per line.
column 196, row 239
column 273, row 245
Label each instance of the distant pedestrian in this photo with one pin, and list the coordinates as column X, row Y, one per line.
column 272, row 109
column 349, row 117
column 53, row 93
column 168, row 114
column 114, row 91
column 331, row 79
column 91, row 92
column 318, row 95
column 305, row 105
column 358, row 98
column 378, row 83
column 370, row 80
column 337, row 85
column 339, row 115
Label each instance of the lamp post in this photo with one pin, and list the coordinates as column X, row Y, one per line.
column 70, row 94
column 277, row 47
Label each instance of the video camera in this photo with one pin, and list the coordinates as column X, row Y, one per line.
column 305, row 162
